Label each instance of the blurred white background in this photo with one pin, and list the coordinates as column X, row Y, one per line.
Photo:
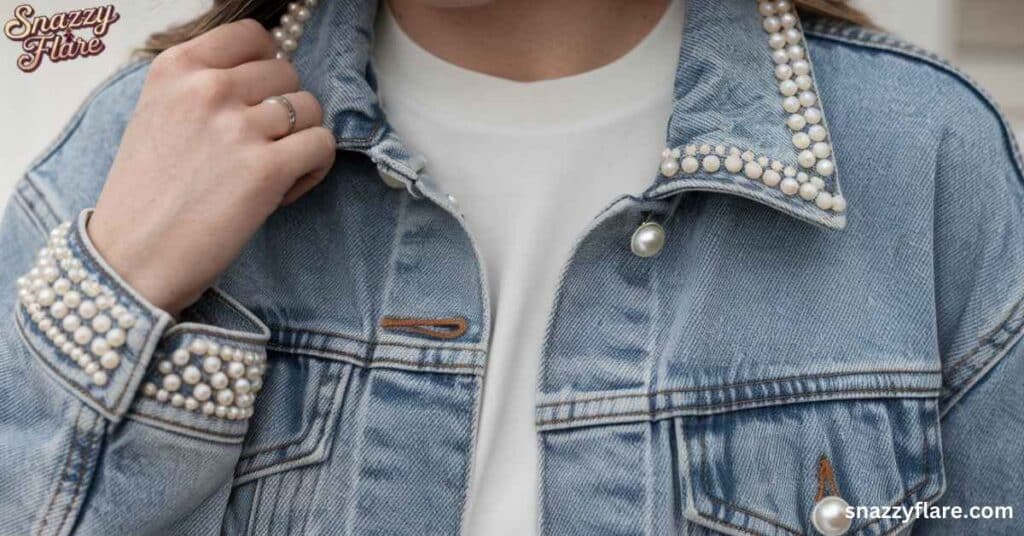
column 985, row 39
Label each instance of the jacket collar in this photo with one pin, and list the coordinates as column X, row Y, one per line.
column 747, row 118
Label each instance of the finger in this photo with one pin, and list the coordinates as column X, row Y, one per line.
column 258, row 80
column 232, row 44
column 304, row 152
column 271, row 118
column 303, row 186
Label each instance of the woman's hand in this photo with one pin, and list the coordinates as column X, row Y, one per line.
column 204, row 161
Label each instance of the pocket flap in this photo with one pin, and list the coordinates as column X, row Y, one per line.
column 762, row 471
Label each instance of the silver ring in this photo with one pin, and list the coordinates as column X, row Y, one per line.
column 283, row 101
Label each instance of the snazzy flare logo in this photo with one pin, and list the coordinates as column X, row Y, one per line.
column 52, row 37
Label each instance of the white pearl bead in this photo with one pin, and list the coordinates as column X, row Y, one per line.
column 783, row 72
column 801, row 67
column 225, row 397
column 808, row 98
column 788, row 20
column 244, row 400
column 82, row 335
column 211, row 364
column 711, row 164
column 99, row 346
column 235, row 370
column 817, row 133
column 101, row 324
column 825, row 168
column 795, row 52
column 209, row 408
column 87, row 309
column 191, row 404
column 58, row 310
column 766, row 9
column 788, row 88
column 116, row 337
column 789, row 186
column 792, row 36
column 817, row 181
column 771, row 24
column 180, row 357
column 776, row 41
column 803, row 82
column 110, row 360
column 221, row 411
column 91, row 367
column 838, row 203
column 791, row 104
column 733, row 163
column 808, row 191
column 690, row 165
column 198, row 347
column 242, row 385
column 669, row 167
column 771, row 178
column 149, row 389
column 219, row 380
column 806, row 158
column 171, row 382
column 289, row 45
column 234, row 413
column 753, row 170
column 61, row 286
column 801, row 140
column 783, row 6
column 303, row 14
column 177, row 400
column 824, row 200
column 812, row 115
column 201, row 392
column 191, row 375
column 253, row 373
column 796, row 122
column 46, row 296
column 822, row 150
column 780, row 57
column 162, row 395
column 99, row 378
column 165, row 367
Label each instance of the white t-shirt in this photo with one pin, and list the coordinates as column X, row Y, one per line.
column 530, row 165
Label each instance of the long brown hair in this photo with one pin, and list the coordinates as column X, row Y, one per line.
column 268, row 11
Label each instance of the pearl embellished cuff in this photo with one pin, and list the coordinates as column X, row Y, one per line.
column 108, row 344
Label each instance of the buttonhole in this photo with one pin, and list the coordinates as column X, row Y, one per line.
column 436, row 328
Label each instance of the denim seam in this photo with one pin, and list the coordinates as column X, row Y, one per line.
column 318, row 413
column 362, row 362
column 63, row 473
column 87, row 460
column 854, row 35
column 810, row 397
column 750, row 383
column 313, row 331
column 26, row 206
column 986, row 341
column 212, row 436
column 279, row 466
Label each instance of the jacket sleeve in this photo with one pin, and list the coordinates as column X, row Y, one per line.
column 979, row 293
column 114, row 419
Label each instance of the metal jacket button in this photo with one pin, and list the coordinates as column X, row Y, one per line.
column 648, row 239
column 829, row 516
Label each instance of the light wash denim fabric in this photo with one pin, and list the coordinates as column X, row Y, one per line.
column 699, row 391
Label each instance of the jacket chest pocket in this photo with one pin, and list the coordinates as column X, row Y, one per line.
column 793, row 470
column 294, row 416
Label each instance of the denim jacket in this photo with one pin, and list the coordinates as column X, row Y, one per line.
column 792, row 343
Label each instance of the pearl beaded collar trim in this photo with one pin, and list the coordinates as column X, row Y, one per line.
column 811, row 138
column 80, row 316
column 212, row 379
column 288, row 32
